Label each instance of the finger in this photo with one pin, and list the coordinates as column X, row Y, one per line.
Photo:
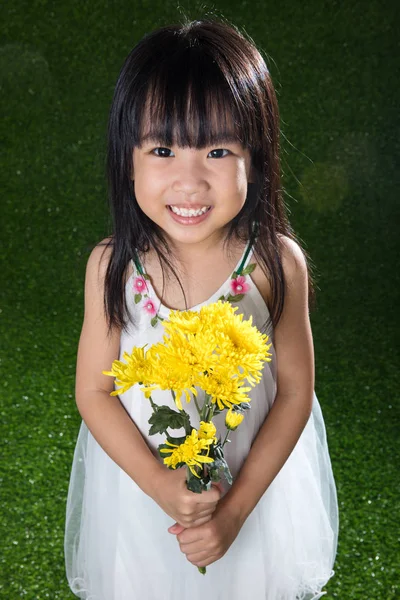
column 188, row 523
column 176, row 529
column 193, row 546
column 218, row 485
column 188, row 518
column 199, row 522
column 204, row 506
column 205, row 513
column 212, row 495
column 202, row 559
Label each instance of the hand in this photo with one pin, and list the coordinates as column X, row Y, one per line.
column 207, row 543
column 185, row 507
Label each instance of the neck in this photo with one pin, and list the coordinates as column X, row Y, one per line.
column 188, row 254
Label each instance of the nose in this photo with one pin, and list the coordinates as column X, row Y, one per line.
column 190, row 178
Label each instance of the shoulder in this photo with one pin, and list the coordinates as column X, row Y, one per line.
column 294, row 262
column 294, row 267
column 99, row 258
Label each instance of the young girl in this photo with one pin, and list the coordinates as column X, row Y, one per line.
column 193, row 166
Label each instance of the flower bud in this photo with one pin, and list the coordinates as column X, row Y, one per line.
column 233, row 419
column 207, row 431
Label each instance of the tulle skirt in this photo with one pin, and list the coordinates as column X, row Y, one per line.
column 117, row 546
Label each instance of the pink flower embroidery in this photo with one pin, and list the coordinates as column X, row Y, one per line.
column 139, row 285
column 239, row 285
column 150, row 307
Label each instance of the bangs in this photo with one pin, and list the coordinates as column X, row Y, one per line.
column 187, row 101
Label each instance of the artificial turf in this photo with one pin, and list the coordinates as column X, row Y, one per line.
column 334, row 66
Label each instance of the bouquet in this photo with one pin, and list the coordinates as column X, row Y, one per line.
column 213, row 350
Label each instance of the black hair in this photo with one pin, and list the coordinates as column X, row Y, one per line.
column 178, row 74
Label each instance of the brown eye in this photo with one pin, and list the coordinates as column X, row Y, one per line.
column 162, row 152
column 218, row 153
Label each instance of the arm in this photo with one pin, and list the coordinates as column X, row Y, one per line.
column 295, row 385
column 109, row 422
column 104, row 415
column 281, row 429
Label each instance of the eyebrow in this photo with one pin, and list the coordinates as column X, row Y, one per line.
column 222, row 137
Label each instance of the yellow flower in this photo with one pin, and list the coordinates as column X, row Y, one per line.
column 238, row 341
column 207, row 431
column 137, row 369
column 179, row 360
column 187, row 321
column 217, row 311
column 190, row 452
column 243, row 344
column 195, row 350
column 175, row 367
column 233, row 419
column 224, row 386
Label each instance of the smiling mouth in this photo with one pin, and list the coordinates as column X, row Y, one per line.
column 189, row 212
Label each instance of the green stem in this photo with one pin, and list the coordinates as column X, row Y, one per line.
column 153, row 405
column 197, row 405
column 203, row 411
column 226, row 437
column 188, row 427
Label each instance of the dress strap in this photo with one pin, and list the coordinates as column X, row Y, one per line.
column 247, row 252
column 136, row 263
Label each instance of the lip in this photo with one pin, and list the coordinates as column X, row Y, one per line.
column 189, row 206
column 189, row 220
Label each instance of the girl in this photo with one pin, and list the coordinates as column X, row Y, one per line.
column 195, row 195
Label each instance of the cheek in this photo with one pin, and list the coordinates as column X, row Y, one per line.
column 241, row 182
column 146, row 186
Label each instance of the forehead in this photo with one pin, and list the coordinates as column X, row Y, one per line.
column 187, row 122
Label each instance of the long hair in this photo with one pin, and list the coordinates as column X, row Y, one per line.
column 194, row 80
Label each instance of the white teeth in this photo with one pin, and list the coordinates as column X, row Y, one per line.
column 189, row 212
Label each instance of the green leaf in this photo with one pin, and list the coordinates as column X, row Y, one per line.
column 161, row 447
column 195, row 485
column 176, row 440
column 138, row 298
column 234, row 275
column 249, row 269
column 154, row 321
column 145, row 276
column 166, row 418
column 236, row 298
column 218, row 452
column 242, row 406
column 223, row 468
column 221, row 298
column 214, row 474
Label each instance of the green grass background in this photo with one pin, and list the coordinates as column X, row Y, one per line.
column 335, row 66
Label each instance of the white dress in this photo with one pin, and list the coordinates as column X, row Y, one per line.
column 117, row 546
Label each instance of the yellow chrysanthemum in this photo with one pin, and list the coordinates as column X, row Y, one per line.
column 224, row 387
column 177, row 377
column 215, row 315
column 136, row 369
column 190, row 452
column 187, row 321
column 233, row 419
column 179, row 361
column 194, row 350
column 207, row 431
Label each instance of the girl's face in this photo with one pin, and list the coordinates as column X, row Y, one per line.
column 191, row 194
